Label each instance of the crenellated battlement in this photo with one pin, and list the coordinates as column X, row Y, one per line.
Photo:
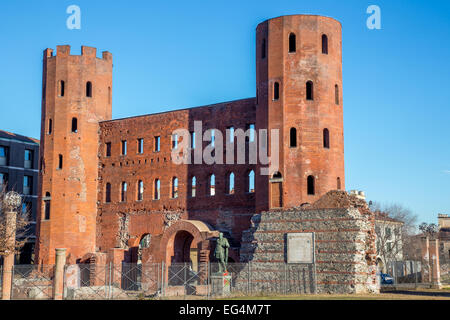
column 64, row 51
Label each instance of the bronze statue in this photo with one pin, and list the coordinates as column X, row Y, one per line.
column 221, row 253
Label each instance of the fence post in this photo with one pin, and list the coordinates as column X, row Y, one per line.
column 58, row 281
column 8, row 260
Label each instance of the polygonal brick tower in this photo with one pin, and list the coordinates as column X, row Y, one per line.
column 76, row 96
column 299, row 92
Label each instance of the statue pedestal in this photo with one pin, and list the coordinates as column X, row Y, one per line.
column 220, row 285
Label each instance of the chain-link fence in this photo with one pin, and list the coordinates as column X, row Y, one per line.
column 406, row 274
column 157, row 280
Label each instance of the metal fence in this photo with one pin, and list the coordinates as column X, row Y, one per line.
column 407, row 274
column 149, row 281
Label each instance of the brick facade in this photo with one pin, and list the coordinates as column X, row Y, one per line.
column 91, row 213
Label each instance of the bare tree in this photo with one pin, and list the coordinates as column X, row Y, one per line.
column 22, row 228
column 431, row 230
column 396, row 240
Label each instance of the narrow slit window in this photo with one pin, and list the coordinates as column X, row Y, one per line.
column 123, row 193
column 89, row 89
column 174, row 187
column 157, row 144
column 336, row 94
column 324, row 44
column 60, row 161
column 326, row 138
column 108, row 193
column 108, row 149
column 309, row 90
column 338, row 183
column 276, row 91
column 193, row 187
column 140, row 143
column 251, row 182
column 109, row 95
column 311, row 185
column 156, row 191
column 74, row 125
column 230, row 183
column 263, row 49
column 47, row 203
column 293, row 138
column 124, row 147
column 50, row 126
column 140, row 193
column 292, row 43
column 61, row 88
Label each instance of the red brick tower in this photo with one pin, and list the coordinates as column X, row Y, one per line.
column 299, row 92
column 76, row 96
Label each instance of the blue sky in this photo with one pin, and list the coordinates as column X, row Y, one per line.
column 176, row 54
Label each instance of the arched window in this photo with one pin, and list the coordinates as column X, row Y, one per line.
column 276, row 91
column 156, row 191
column 277, row 175
column 292, row 43
column 193, row 187
column 74, row 125
column 293, row 138
column 108, row 193
column 251, row 182
column 311, row 185
column 336, row 94
column 61, row 88
column 60, row 161
column 174, row 187
column 339, row 183
column 89, row 89
column 123, row 192
column 50, row 126
column 309, row 90
column 212, row 185
column 263, row 49
column 326, row 138
column 140, row 191
column 47, row 201
column 324, row 44
column 230, row 183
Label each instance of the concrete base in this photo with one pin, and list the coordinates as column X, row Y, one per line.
column 220, row 285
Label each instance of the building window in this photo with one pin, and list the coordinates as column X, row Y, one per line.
column 108, row 149
column 108, row 193
column 27, row 185
column 309, row 90
column 293, row 138
column 74, row 125
column 292, row 43
column 192, row 140
column 28, row 164
column 251, row 182
column 50, row 126
column 47, row 201
column 311, row 185
column 193, row 187
column 3, row 180
column 124, row 147
column 60, row 162
column 157, row 144
column 89, row 89
column 26, row 208
column 230, row 183
column 212, row 185
column 140, row 143
column 339, row 183
column 140, row 193
column 109, row 95
column 336, row 94
column 4, row 155
column 263, row 49
column 174, row 141
column 276, row 91
column 324, row 44
column 61, row 88
column 326, row 138
column 123, row 192
column 174, row 193
column 156, row 191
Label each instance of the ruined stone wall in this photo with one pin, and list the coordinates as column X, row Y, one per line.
column 344, row 246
